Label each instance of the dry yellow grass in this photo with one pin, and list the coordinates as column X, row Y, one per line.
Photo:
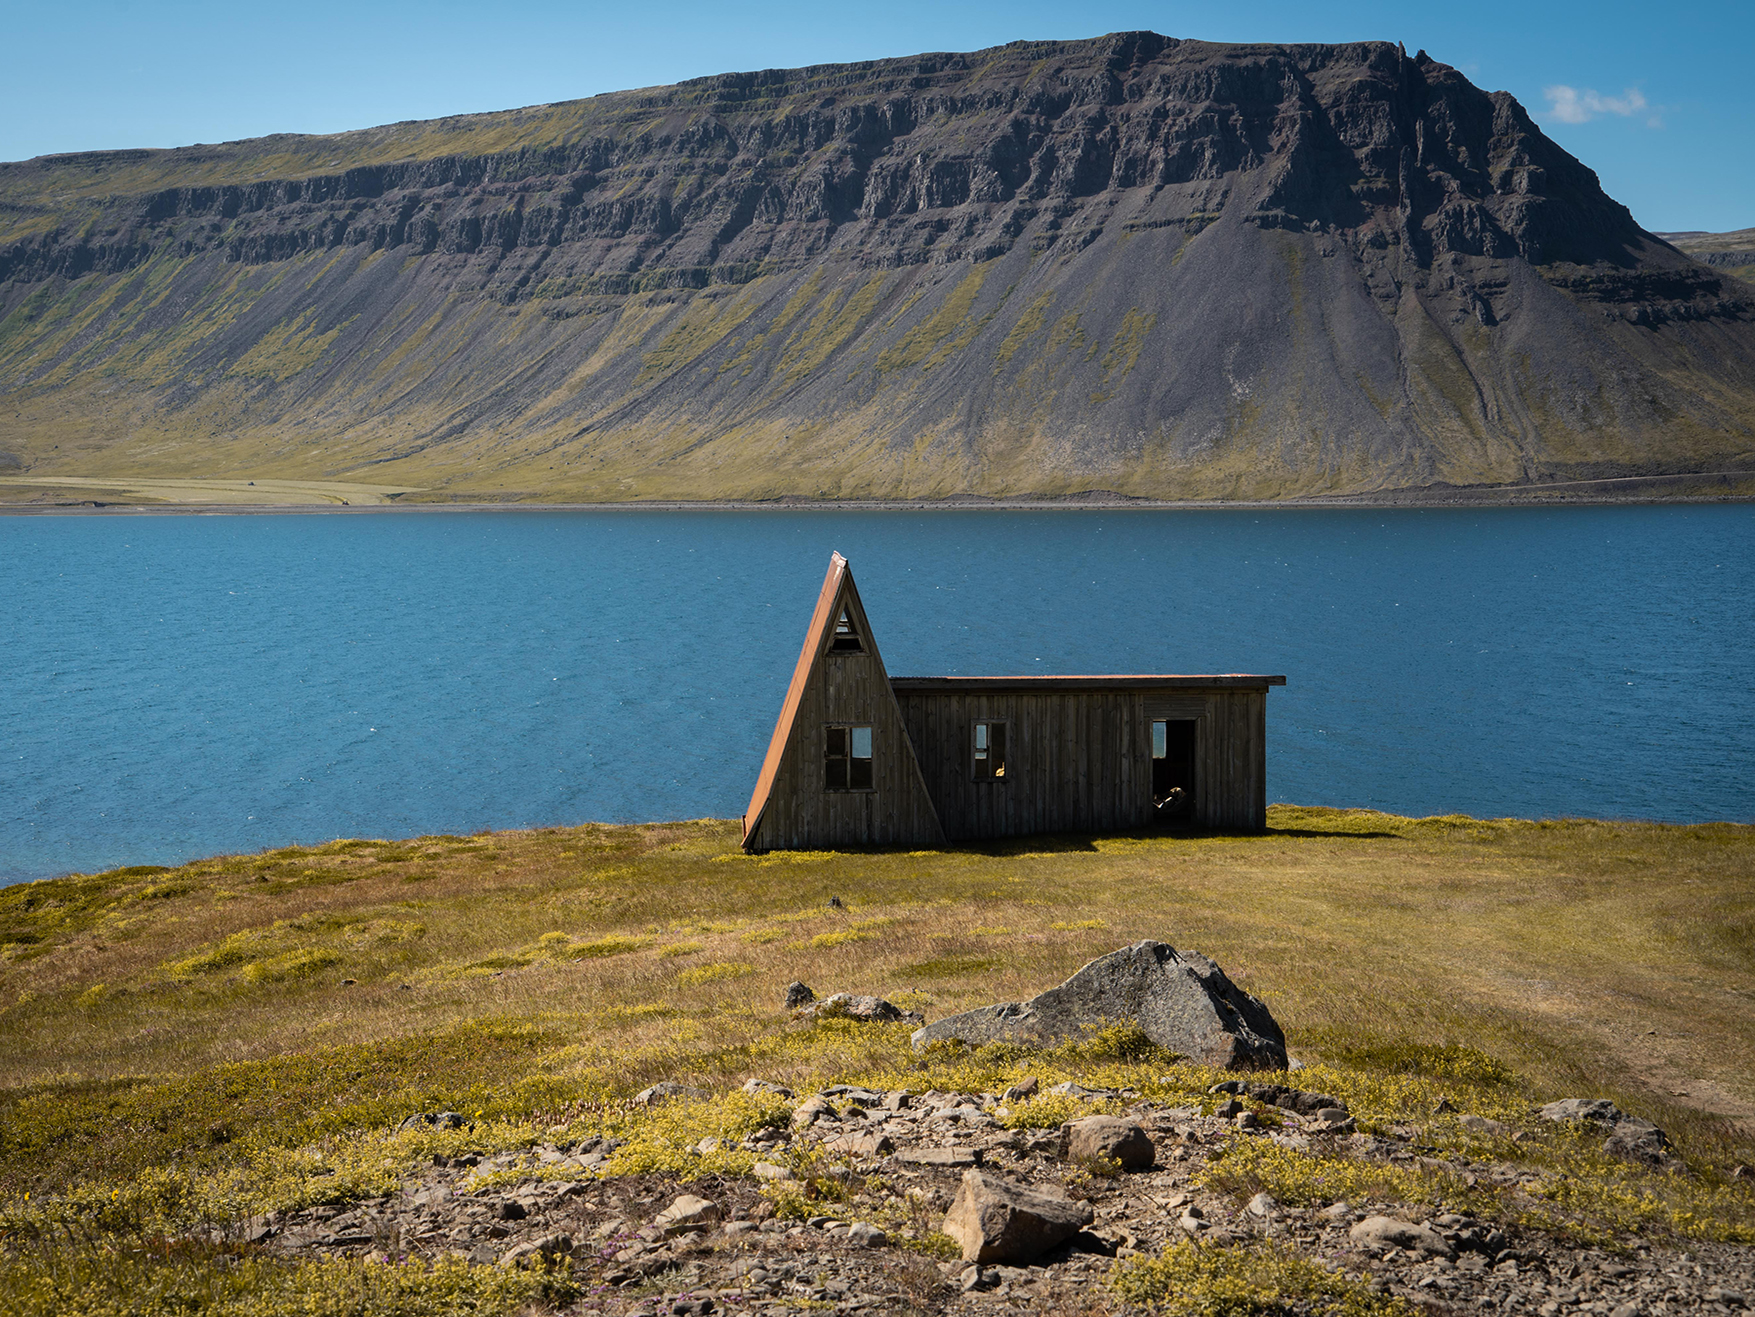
column 181, row 1048
column 1613, row 958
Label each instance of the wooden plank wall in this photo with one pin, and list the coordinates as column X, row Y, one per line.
column 801, row 815
column 1081, row 761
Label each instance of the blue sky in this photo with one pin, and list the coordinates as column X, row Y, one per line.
column 1660, row 101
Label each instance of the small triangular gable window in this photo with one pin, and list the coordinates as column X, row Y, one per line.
column 846, row 637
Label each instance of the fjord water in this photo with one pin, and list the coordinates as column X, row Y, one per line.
column 177, row 686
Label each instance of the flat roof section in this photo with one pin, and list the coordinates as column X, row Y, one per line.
column 1118, row 682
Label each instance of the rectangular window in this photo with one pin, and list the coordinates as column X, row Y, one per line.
column 988, row 754
column 847, row 759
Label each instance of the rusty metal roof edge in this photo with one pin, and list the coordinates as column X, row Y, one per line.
column 1092, row 681
column 813, row 643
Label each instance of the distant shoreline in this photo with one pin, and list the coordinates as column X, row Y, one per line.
column 1611, row 491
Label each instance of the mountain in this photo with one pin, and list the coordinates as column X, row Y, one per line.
column 1163, row 268
column 1731, row 252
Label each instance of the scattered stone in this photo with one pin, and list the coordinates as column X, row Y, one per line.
column 1599, row 1110
column 668, row 1091
column 866, row 1010
column 1332, row 1120
column 798, row 995
column 1629, row 1136
column 546, row 1249
column 1020, row 1090
column 940, row 1156
column 688, row 1212
column 760, row 1086
column 1112, row 1139
column 1638, row 1140
column 1182, row 1001
column 862, row 1145
column 810, row 1109
column 996, row 1220
column 1382, row 1232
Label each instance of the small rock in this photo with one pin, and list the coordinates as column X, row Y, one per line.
column 810, row 1109
column 977, row 1278
column 1382, row 1232
column 798, row 995
column 861, row 1145
column 865, row 1010
column 1020, row 1090
column 668, row 1091
column 940, row 1156
column 546, row 1249
column 1109, row 1138
column 1262, row 1205
column 688, row 1212
column 996, row 1220
column 760, row 1086
column 1637, row 1140
column 1599, row 1110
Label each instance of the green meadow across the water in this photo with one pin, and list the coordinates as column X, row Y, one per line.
column 181, row 1049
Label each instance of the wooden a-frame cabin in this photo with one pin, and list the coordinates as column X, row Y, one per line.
column 860, row 758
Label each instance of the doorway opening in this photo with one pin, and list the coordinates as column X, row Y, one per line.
column 1173, row 769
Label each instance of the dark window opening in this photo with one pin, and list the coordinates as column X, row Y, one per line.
column 988, row 752
column 846, row 638
column 1173, row 769
column 847, row 759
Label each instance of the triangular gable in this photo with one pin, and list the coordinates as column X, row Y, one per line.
column 913, row 818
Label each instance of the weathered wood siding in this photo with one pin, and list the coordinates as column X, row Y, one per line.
column 1082, row 761
column 800, row 814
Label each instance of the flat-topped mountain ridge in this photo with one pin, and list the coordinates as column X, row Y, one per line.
column 1163, row 268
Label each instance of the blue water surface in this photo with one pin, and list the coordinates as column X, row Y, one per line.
column 177, row 686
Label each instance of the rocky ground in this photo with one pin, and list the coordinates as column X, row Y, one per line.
column 662, row 1245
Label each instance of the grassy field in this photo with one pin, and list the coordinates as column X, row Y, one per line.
column 177, row 1039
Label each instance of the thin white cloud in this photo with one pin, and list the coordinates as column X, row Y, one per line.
column 1570, row 105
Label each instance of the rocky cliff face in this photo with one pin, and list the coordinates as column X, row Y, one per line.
column 1159, row 267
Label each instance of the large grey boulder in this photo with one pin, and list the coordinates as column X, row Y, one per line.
column 1180, row 1000
column 996, row 1220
